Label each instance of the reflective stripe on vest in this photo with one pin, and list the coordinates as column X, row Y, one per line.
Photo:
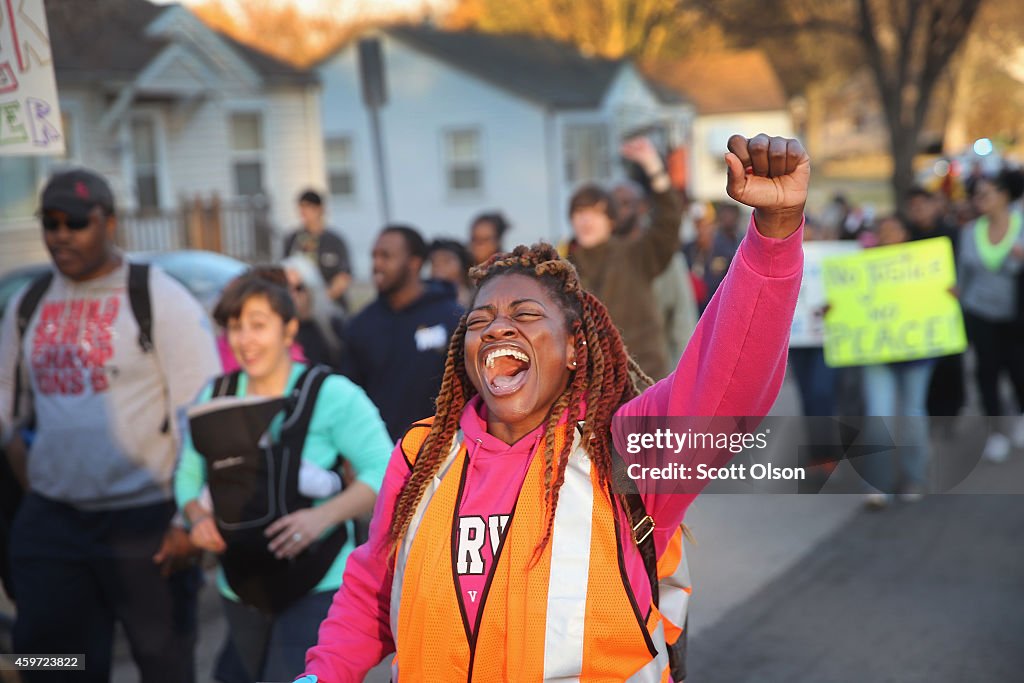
column 570, row 571
column 568, row 617
column 403, row 553
column 674, row 586
column 657, row 668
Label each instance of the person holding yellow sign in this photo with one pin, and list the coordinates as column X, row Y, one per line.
column 898, row 389
column 991, row 257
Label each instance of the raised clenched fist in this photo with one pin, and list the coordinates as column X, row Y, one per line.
column 771, row 175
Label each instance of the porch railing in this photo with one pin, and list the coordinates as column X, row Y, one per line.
column 238, row 227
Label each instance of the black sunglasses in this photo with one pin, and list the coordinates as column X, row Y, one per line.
column 51, row 223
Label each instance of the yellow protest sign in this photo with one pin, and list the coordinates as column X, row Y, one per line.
column 892, row 304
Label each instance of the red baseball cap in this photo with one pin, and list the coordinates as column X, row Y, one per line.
column 76, row 192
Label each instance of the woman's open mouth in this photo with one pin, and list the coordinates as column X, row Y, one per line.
column 506, row 369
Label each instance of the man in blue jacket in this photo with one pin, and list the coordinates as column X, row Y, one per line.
column 397, row 346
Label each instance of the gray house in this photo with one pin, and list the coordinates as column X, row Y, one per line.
column 166, row 107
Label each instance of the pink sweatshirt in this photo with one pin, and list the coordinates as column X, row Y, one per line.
column 733, row 365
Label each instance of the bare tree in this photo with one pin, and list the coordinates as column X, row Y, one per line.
column 907, row 44
column 987, row 94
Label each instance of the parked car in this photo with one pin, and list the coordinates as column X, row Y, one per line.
column 204, row 273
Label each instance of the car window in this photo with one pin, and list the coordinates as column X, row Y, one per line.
column 205, row 274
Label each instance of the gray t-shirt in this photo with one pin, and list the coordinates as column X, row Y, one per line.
column 100, row 402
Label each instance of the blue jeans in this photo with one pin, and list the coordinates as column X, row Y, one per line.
column 266, row 647
column 77, row 572
column 815, row 380
column 898, row 390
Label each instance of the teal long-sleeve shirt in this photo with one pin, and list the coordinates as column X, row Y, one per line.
column 344, row 421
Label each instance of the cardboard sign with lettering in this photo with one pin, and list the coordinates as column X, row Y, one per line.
column 808, row 325
column 891, row 304
column 29, row 112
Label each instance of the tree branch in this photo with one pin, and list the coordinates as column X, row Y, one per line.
column 941, row 51
column 906, row 40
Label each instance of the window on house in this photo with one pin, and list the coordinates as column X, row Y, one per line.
column 247, row 153
column 18, row 191
column 586, row 152
column 462, row 161
column 146, row 162
column 341, row 176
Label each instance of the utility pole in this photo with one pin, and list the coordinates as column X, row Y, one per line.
column 371, row 73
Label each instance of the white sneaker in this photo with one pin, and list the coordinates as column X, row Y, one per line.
column 1017, row 433
column 876, row 501
column 997, row 448
column 913, row 494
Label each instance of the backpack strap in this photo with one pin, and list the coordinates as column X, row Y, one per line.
column 142, row 311
column 138, row 297
column 299, row 404
column 643, row 536
column 642, row 523
column 298, row 415
column 26, row 309
column 226, row 385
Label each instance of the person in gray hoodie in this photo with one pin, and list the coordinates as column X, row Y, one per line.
column 991, row 258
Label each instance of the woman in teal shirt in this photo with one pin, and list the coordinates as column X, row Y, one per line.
column 261, row 325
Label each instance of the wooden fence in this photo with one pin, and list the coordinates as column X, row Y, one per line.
column 239, row 228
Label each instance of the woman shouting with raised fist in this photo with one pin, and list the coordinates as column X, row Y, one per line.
column 499, row 549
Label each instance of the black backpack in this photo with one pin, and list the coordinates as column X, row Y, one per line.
column 251, row 489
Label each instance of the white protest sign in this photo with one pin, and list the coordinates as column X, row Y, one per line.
column 29, row 112
column 808, row 327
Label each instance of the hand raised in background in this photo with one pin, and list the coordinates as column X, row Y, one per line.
column 641, row 151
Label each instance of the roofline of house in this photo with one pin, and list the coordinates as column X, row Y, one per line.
column 537, row 101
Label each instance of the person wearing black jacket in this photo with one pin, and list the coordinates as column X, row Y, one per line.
column 946, row 393
column 397, row 346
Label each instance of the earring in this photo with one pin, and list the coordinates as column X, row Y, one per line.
column 574, row 363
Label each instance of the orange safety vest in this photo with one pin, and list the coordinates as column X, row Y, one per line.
column 570, row 616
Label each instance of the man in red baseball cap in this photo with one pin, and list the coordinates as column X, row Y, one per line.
column 109, row 351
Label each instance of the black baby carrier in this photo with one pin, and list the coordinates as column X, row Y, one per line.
column 254, row 481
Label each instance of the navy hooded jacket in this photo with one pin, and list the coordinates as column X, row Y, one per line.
column 398, row 357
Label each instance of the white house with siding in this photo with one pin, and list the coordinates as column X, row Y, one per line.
column 164, row 106
column 477, row 122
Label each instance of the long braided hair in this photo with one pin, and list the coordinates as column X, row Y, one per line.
column 605, row 377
